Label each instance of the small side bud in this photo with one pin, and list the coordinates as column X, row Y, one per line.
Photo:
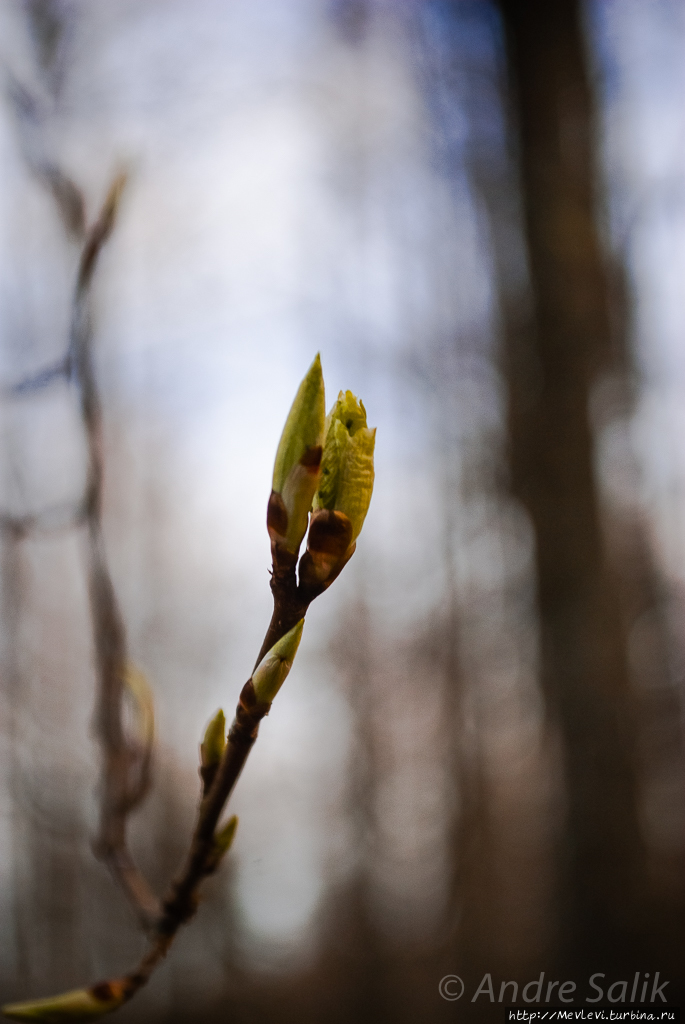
column 212, row 749
column 212, row 746
column 223, row 839
column 81, row 1004
column 297, row 468
column 272, row 670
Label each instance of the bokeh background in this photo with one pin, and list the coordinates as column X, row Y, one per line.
column 475, row 211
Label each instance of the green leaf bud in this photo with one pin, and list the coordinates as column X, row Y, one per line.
column 224, row 837
column 298, row 461
column 304, row 426
column 214, row 742
column 81, row 1004
column 272, row 670
column 347, row 473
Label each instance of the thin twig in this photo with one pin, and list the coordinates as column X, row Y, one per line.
column 49, row 520
column 31, row 113
column 126, row 773
column 291, row 601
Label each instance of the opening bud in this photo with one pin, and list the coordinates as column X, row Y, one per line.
column 344, row 493
column 297, row 468
column 272, row 670
column 81, row 1004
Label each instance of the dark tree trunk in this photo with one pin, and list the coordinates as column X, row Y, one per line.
column 551, row 362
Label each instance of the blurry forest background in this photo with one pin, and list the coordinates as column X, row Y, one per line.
column 476, row 212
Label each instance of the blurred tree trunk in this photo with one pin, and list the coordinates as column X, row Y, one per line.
column 361, row 950
column 551, row 362
column 13, row 933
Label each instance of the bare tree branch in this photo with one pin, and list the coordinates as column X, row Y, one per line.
column 126, row 770
column 30, row 114
column 126, row 774
column 292, row 597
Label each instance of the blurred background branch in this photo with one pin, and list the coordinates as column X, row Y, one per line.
column 126, row 773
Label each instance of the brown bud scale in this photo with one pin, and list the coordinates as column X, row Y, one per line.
column 312, row 457
column 276, row 517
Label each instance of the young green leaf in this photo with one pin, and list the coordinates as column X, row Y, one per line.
column 342, row 499
column 347, row 472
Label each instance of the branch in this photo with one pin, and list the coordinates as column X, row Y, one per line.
column 49, row 520
column 31, row 113
column 219, row 773
column 206, row 848
column 343, row 472
column 292, row 598
column 126, row 774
